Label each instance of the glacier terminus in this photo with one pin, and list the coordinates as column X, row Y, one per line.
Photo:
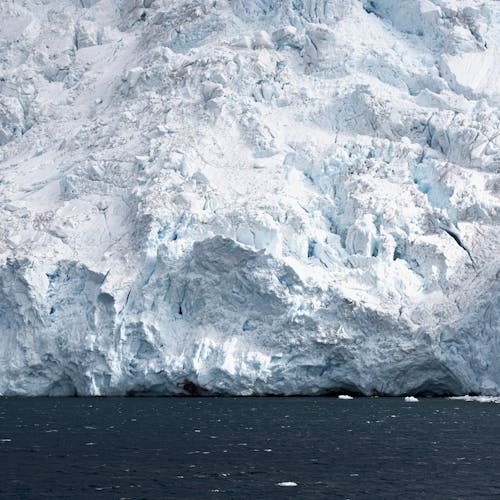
column 249, row 197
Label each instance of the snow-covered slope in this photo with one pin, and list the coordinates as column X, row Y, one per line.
column 249, row 196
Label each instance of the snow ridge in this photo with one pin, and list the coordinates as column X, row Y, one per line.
column 249, row 197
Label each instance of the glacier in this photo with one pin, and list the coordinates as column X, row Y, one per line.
column 249, row 197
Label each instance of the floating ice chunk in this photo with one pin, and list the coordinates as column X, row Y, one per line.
column 411, row 399
column 287, row 484
column 478, row 399
column 345, row 396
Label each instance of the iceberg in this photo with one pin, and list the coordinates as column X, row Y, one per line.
column 411, row 399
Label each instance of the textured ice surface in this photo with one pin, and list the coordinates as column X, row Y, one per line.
column 249, row 196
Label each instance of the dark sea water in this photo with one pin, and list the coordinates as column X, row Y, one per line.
column 244, row 447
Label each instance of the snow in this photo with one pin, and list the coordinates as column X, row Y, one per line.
column 249, row 197
column 477, row 72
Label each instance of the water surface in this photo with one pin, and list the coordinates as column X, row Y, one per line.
column 245, row 447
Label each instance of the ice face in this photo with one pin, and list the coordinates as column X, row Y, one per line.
column 249, row 197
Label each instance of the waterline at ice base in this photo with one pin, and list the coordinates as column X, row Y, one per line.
column 250, row 197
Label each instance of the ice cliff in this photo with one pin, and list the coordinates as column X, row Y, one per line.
column 249, row 196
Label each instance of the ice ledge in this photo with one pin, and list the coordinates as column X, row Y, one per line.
column 223, row 319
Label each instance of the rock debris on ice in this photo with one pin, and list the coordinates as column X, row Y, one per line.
column 249, row 197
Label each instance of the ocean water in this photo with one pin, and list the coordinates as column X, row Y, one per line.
column 259, row 448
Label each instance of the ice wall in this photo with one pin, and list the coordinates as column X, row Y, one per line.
column 249, row 197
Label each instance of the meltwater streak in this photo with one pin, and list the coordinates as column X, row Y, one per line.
column 248, row 448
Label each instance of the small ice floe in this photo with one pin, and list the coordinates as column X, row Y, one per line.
column 5, row 440
column 411, row 399
column 289, row 484
column 478, row 399
column 345, row 396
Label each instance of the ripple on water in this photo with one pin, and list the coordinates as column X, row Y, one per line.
column 422, row 446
